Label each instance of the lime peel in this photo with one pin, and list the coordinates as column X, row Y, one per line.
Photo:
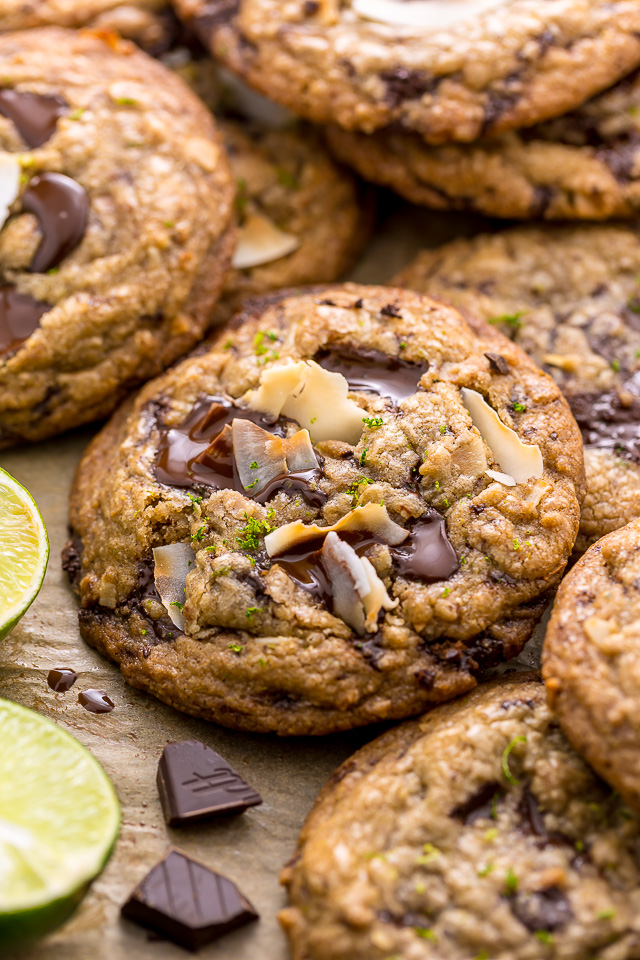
column 24, row 551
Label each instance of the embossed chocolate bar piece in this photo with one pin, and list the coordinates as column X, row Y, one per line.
column 195, row 782
column 185, row 901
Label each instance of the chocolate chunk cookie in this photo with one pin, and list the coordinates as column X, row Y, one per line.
column 117, row 205
column 303, row 219
column 570, row 298
column 473, row 832
column 448, row 71
column 337, row 514
column 591, row 658
column 585, row 165
column 149, row 22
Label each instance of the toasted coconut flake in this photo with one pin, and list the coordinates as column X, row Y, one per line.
column 501, row 477
column 253, row 445
column 372, row 518
column 314, row 397
column 377, row 598
column 522, row 461
column 260, row 241
column 172, row 563
column 299, row 452
column 9, row 183
column 425, row 14
column 349, row 582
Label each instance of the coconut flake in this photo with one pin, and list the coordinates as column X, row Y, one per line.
column 253, row 105
column 253, row 445
column 316, row 398
column 299, row 452
column 425, row 14
column 373, row 518
column 358, row 592
column 10, row 172
column 377, row 598
column 260, row 241
column 501, row 477
column 522, row 461
column 172, row 563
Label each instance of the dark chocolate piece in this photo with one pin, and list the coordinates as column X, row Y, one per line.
column 61, row 679
column 35, row 115
column 185, row 901
column 296, row 483
column 19, row 317
column 62, row 208
column 497, row 362
column 427, row 554
column 481, row 805
column 96, row 701
column 374, row 371
column 195, row 782
column 547, row 909
column 606, row 423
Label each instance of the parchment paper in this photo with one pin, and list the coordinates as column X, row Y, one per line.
column 250, row 849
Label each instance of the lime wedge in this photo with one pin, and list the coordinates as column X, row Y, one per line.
column 59, row 820
column 24, row 551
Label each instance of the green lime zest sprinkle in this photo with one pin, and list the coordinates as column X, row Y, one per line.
column 606, row 914
column 373, row 421
column 176, row 603
column 513, row 319
column 199, row 534
column 363, row 457
column 519, row 407
column 505, row 759
column 76, row 114
column 250, row 612
column 511, row 882
column 426, row 934
column 446, row 592
column 429, row 854
column 615, row 364
column 251, row 535
column 443, row 428
column 487, row 869
column 544, row 936
column 126, row 101
column 254, row 465
column 236, row 647
column 251, row 485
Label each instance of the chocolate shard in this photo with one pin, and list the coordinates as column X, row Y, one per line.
column 186, row 902
column 195, row 782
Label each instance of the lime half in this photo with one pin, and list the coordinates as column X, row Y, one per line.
column 59, row 820
column 24, row 551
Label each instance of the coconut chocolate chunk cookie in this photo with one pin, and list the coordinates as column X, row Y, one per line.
column 446, row 70
column 570, row 297
column 584, row 165
column 473, row 832
column 337, row 514
column 116, row 204
column 302, row 217
column 591, row 658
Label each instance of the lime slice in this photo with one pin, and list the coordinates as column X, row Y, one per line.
column 24, row 551
column 59, row 820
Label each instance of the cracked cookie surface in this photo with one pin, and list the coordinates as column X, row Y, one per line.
column 584, row 165
column 591, row 658
column 110, row 142
column 475, row 831
column 570, row 298
column 484, row 68
column 449, row 563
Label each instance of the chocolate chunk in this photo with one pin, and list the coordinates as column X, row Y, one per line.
column 374, row 371
column 19, row 317
column 62, row 208
column 497, row 362
column 481, row 805
column 61, row 679
column 96, row 701
column 427, row 554
column 547, row 909
column 35, row 115
column 188, row 903
column 194, row 782
column 403, row 84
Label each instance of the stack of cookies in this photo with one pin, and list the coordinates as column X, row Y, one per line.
column 352, row 502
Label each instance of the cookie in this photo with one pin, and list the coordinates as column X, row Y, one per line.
column 446, row 71
column 302, row 218
column 584, row 165
column 301, row 530
column 590, row 658
column 473, row 832
column 150, row 23
column 118, row 226
column 569, row 296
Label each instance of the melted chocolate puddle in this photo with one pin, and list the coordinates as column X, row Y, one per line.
column 61, row 679
column 62, row 208
column 295, row 483
column 373, row 371
column 19, row 317
column 427, row 554
column 607, row 424
column 96, row 701
column 35, row 115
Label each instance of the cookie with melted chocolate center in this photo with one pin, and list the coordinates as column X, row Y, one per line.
column 315, row 524
column 569, row 296
column 584, row 165
column 475, row 831
column 590, row 658
column 115, row 246
column 447, row 71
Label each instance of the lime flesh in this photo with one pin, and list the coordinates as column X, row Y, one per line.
column 24, row 551
column 59, row 820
